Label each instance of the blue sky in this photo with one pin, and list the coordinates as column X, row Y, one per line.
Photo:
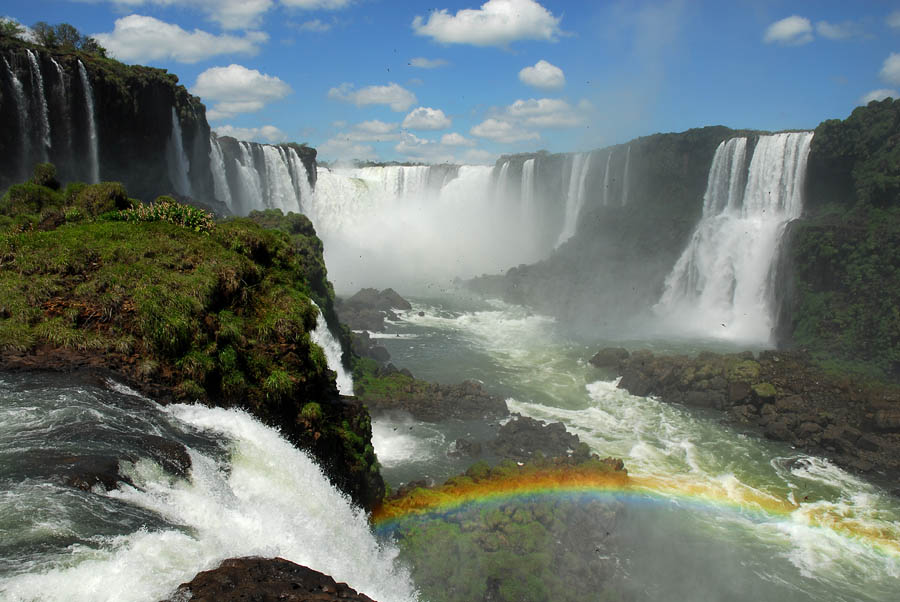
column 467, row 80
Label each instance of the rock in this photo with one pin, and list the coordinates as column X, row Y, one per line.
column 522, row 438
column 887, row 421
column 738, row 391
column 635, row 382
column 609, row 357
column 869, row 442
column 793, row 403
column 765, row 392
column 703, row 399
column 264, row 580
column 87, row 472
column 809, row 428
column 466, row 447
column 779, row 431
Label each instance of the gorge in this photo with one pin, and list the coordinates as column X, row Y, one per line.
column 709, row 239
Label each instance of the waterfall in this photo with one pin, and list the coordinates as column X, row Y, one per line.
column 22, row 113
column 322, row 337
column 721, row 284
column 581, row 165
column 94, row 155
column 220, row 179
column 606, row 180
column 177, row 160
column 251, row 190
column 625, row 176
column 280, row 191
column 500, row 184
column 528, row 211
column 300, row 179
column 62, row 101
column 40, row 99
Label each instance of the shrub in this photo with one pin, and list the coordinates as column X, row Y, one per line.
column 101, row 198
column 45, row 175
column 166, row 209
column 29, row 198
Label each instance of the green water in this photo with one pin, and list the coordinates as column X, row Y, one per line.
column 713, row 530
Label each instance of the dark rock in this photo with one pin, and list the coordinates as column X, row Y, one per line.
column 87, row 472
column 636, row 382
column 431, row 402
column 467, row 447
column 264, row 580
column 809, row 428
column 779, row 431
column 171, row 455
column 522, row 438
column 738, row 391
column 610, row 358
column 869, row 442
column 703, row 399
column 793, row 403
column 367, row 309
column 887, row 421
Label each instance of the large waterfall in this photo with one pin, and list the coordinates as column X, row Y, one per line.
column 581, row 165
column 322, row 337
column 248, row 176
column 721, row 286
column 40, row 99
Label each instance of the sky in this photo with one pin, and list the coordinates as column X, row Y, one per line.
column 465, row 81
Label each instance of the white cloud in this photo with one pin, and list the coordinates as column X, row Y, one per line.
column 426, row 118
column 423, row 63
column 838, row 31
column 341, row 147
column 502, row 131
column 548, row 112
column 879, row 94
column 454, row 139
column 317, row 4
column 890, row 71
column 543, row 75
column 396, row 97
column 375, row 126
column 374, row 130
column 479, row 157
column 790, row 31
column 893, row 19
column 140, row 38
column 236, row 89
column 316, row 25
column 266, row 133
column 496, row 23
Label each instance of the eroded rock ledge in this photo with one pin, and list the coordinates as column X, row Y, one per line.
column 780, row 393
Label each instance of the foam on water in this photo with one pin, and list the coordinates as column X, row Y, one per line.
column 268, row 499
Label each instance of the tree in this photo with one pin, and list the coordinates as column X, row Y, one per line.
column 67, row 38
column 9, row 28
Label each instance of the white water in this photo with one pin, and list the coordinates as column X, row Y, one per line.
column 413, row 228
column 177, row 160
column 220, row 179
column 93, row 142
column 581, row 165
column 606, row 180
column 37, row 85
column 322, row 337
column 721, row 286
column 529, row 210
column 625, row 176
column 266, row 498
column 21, row 109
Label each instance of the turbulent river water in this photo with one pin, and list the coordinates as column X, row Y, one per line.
column 723, row 515
column 727, row 515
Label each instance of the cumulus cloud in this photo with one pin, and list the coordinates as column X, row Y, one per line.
column 479, row 156
column 342, row 147
column 373, row 130
column 140, row 38
column 426, row 118
column 893, row 19
column 423, row 63
column 790, row 31
column 266, row 133
column 543, row 75
column 838, row 31
column 879, row 94
column 237, row 89
column 315, row 25
column 496, row 23
column 454, row 139
column 395, row 96
column 502, row 131
column 317, row 4
column 548, row 112
column 890, row 71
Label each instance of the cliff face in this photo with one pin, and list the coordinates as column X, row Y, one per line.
column 641, row 203
column 841, row 268
column 97, row 119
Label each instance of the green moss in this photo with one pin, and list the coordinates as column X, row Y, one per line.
column 744, row 370
column 765, row 390
column 311, row 412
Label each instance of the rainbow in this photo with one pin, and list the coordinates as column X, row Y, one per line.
column 530, row 483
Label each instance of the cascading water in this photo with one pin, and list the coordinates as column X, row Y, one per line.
column 529, row 211
column 300, row 179
column 625, row 177
column 93, row 142
column 177, row 160
column 721, row 285
column 581, row 165
column 248, row 492
column 280, row 191
column 40, row 100
column 322, row 337
column 21, row 110
column 606, row 180
column 220, row 178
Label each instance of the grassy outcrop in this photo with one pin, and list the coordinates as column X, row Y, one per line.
column 219, row 313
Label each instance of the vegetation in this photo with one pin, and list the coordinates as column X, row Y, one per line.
column 219, row 313
column 65, row 37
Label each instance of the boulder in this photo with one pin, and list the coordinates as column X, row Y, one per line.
column 264, row 580
column 609, row 358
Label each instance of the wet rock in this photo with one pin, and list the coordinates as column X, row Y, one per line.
column 524, row 438
column 738, row 391
column 809, row 428
column 779, row 431
column 887, row 420
column 87, row 472
column 264, row 580
column 466, row 447
column 171, row 455
column 368, row 308
column 609, row 358
column 869, row 442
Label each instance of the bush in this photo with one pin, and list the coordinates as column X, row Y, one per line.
column 166, row 209
column 104, row 197
column 29, row 198
column 45, row 175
